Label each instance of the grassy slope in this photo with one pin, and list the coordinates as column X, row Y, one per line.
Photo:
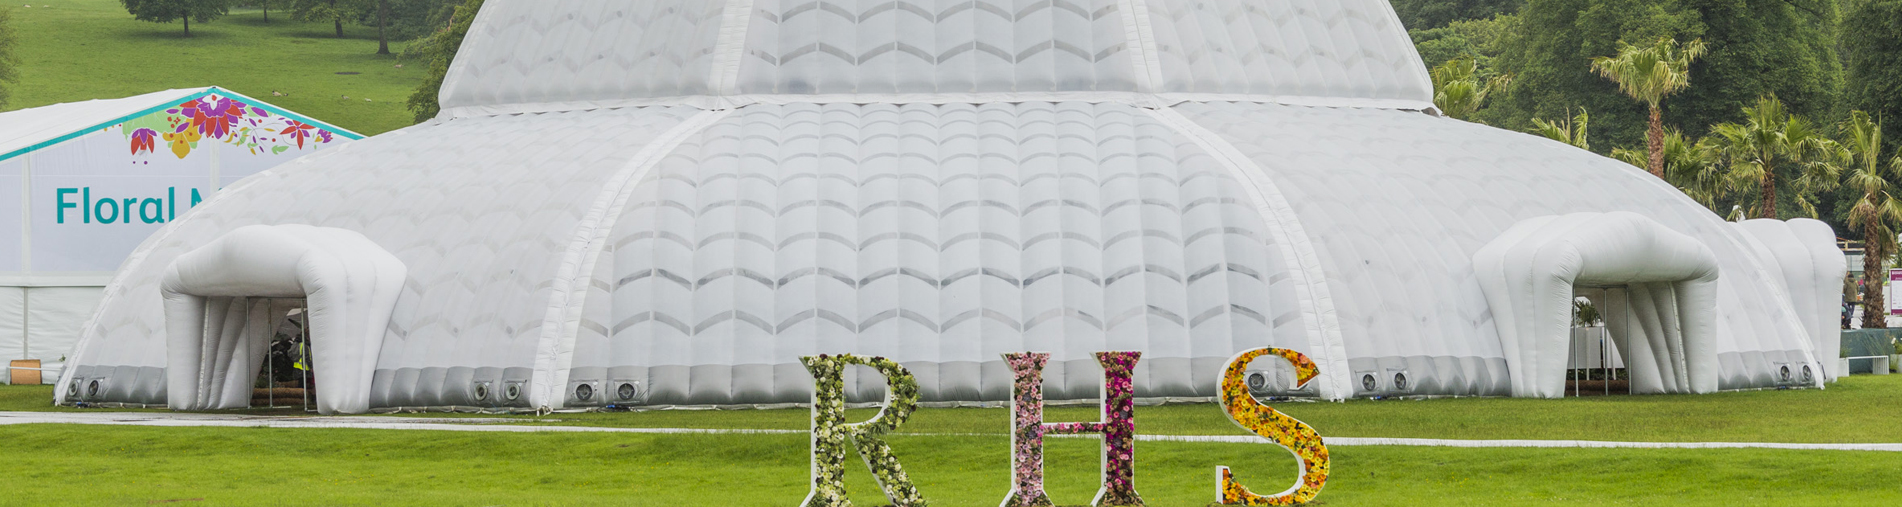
column 122, row 465
column 1860, row 409
column 76, row 50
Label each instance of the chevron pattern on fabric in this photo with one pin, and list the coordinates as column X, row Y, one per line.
column 580, row 54
column 478, row 224
column 923, row 46
column 1313, row 48
column 941, row 235
column 1464, row 184
column 588, row 50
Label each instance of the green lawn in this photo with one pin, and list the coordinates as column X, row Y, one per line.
column 102, row 465
column 74, row 50
column 958, row 456
column 1860, row 409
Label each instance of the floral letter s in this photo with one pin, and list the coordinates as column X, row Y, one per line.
column 1290, row 433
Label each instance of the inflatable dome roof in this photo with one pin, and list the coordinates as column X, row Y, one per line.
column 669, row 202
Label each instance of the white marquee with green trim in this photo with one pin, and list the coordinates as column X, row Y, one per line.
column 86, row 182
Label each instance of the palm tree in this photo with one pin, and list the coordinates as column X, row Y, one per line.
column 1877, row 206
column 1772, row 146
column 1458, row 91
column 1571, row 131
column 1650, row 73
column 1694, row 167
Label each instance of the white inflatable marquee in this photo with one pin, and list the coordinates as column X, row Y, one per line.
column 668, row 202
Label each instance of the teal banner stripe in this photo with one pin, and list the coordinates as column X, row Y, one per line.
column 174, row 103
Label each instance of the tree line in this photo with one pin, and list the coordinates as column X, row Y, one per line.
column 1753, row 108
column 392, row 19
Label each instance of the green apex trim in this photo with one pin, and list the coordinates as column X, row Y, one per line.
column 208, row 91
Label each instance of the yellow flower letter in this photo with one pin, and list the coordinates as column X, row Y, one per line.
column 1291, row 434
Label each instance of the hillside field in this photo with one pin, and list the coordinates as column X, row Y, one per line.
column 75, row 50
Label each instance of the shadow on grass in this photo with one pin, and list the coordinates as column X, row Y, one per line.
column 325, row 31
column 173, row 32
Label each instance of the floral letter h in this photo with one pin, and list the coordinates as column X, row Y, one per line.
column 1118, row 428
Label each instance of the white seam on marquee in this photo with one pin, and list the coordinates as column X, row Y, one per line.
column 1297, row 248
column 723, row 75
column 1140, row 41
column 555, row 348
column 739, row 100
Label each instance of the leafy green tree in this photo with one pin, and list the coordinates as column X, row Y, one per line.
column 439, row 49
column 1757, row 47
column 166, row 11
column 410, row 19
column 1480, row 40
column 1459, row 91
column 1550, row 55
column 1423, row 14
column 1872, row 57
column 1785, row 48
column 1573, row 131
column 1693, row 166
column 393, row 19
column 1649, row 74
column 335, row 11
column 9, row 63
column 1778, row 153
column 1877, row 208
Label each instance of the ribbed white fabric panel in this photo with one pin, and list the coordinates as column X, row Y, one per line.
column 1293, row 240
column 1302, row 48
column 525, row 55
column 521, row 51
column 480, row 211
column 1407, row 198
column 575, row 267
column 941, row 236
column 934, row 46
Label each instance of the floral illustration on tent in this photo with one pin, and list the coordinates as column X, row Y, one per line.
column 222, row 119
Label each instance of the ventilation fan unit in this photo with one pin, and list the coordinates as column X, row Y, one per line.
column 514, row 393
column 627, row 392
column 483, row 392
column 586, row 393
column 1398, row 381
column 1368, row 382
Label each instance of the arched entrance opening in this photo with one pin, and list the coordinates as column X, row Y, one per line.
column 222, row 302
column 1666, row 302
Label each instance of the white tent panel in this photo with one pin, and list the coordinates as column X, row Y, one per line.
column 12, row 213
column 56, row 315
column 22, row 129
column 1812, row 270
column 13, row 323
